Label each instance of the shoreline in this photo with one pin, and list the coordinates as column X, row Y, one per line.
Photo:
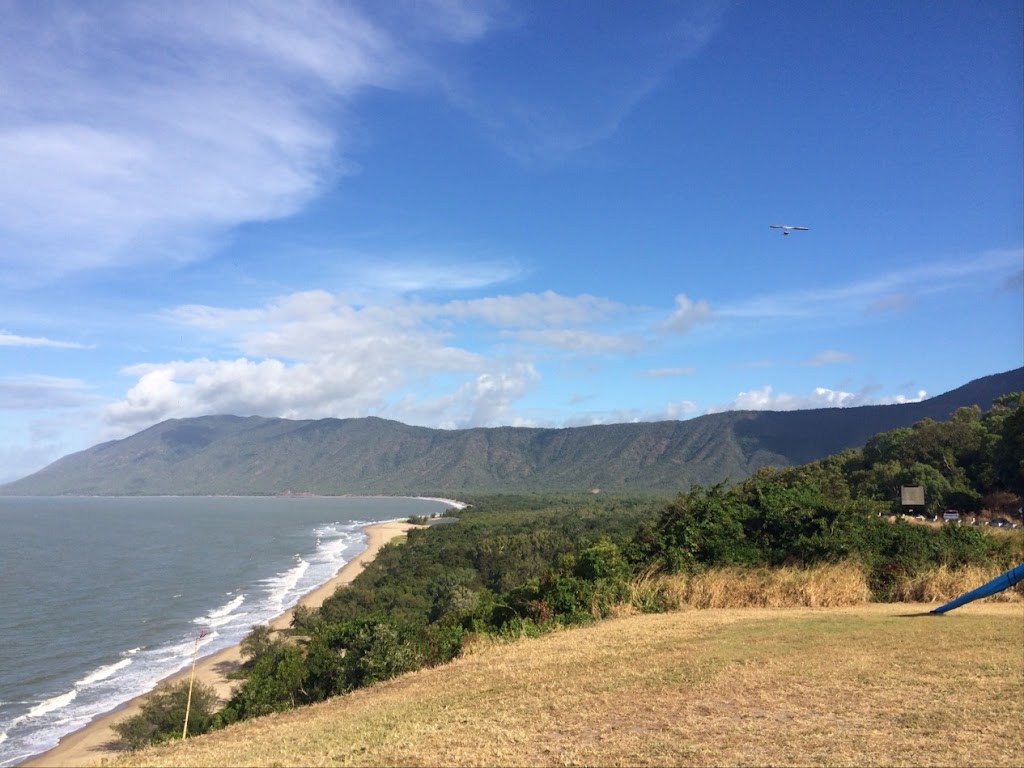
column 90, row 744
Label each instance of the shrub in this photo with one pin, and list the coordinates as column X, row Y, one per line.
column 162, row 716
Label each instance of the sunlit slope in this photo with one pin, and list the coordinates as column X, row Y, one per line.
column 869, row 685
column 256, row 456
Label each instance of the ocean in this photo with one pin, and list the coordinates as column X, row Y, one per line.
column 103, row 597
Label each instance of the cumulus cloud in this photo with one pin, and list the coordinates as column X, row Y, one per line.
column 687, row 314
column 483, row 400
column 140, row 131
column 766, row 399
column 315, row 354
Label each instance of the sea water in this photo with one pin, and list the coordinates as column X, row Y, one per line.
column 103, row 597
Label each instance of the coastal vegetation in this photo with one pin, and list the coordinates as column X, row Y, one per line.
column 825, row 534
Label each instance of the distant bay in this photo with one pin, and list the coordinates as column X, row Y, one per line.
column 103, row 597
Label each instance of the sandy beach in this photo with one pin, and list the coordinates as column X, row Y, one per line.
column 91, row 744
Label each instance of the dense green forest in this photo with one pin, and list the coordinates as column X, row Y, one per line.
column 520, row 565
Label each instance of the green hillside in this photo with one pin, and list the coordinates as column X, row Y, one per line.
column 267, row 456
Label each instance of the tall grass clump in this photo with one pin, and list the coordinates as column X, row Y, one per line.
column 943, row 583
column 824, row 585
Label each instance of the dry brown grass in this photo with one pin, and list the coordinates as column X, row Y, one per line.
column 819, row 586
column 942, row 584
column 863, row 685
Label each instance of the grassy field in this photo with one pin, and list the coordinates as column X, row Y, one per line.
column 871, row 684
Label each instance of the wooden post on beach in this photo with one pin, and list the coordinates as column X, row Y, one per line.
column 191, row 678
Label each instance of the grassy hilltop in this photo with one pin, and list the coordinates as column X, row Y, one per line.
column 863, row 685
column 782, row 620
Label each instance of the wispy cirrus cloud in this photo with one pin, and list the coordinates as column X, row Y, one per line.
column 830, row 356
column 426, row 273
column 38, row 392
column 547, row 308
column 663, row 373
column 579, row 341
column 134, row 132
column 887, row 292
column 8, row 339
column 559, row 110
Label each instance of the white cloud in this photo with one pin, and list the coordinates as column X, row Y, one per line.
column 556, row 110
column 427, row 273
column 579, row 341
column 316, row 389
column 671, row 411
column 531, row 310
column 765, row 399
column 13, row 340
column 887, row 292
column 38, row 392
column 314, row 354
column 661, row 373
column 677, row 410
column 687, row 314
column 483, row 400
column 141, row 131
column 462, row 363
column 311, row 355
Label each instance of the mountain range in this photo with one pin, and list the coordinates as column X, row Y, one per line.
column 234, row 455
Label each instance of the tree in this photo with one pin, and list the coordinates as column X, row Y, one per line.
column 1008, row 452
column 704, row 528
column 375, row 652
column 275, row 682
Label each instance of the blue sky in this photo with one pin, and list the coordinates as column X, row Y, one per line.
column 479, row 214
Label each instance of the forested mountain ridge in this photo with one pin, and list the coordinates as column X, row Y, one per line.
column 264, row 456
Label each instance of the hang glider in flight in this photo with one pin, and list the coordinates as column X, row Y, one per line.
column 787, row 228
